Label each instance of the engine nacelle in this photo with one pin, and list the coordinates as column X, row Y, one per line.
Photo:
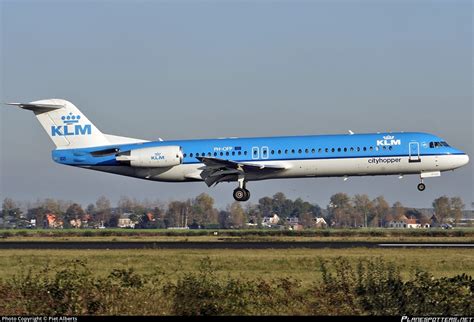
column 154, row 157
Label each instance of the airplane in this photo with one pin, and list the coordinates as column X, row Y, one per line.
column 81, row 144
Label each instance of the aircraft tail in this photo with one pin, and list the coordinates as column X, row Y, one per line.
column 67, row 127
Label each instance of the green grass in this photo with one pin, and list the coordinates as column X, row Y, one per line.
column 357, row 281
column 369, row 234
column 296, row 263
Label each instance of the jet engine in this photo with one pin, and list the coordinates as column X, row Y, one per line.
column 153, row 157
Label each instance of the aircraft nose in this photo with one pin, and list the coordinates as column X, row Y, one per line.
column 460, row 160
column 464, row 159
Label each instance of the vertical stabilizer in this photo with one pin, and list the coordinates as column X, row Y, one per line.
column 67, row 127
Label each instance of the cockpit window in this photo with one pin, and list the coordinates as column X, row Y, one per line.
column 438, row 144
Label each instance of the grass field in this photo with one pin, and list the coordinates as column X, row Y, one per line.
column 370, row 234
column 296, row 263
column 237, row 282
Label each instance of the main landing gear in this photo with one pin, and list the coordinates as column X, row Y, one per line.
column 241, row 194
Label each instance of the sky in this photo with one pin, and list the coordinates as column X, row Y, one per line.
column 205, row 69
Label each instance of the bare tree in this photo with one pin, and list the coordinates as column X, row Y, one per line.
column 237, row 215
column 203, row 211
column 442, row 208
column 10, row 211
column 398, row 211
column 340, row 209
column 363, row 208
column 456, row 206
column 103, row 210
column 74, row 213
column 381, row 210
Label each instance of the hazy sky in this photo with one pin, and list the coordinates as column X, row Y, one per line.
column 190, row 69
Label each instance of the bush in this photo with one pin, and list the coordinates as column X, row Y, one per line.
column 370, row 287
column 376, row 287
column 204, row 294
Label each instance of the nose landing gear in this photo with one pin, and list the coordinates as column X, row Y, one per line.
column 421, row 187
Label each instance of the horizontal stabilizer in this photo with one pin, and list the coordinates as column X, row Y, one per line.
column 37, row 108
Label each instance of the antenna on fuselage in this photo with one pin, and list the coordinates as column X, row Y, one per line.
column 350, row 132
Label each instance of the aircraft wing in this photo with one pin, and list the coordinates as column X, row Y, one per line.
column 217, row 170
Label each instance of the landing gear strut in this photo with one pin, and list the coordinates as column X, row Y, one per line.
column 241, row 194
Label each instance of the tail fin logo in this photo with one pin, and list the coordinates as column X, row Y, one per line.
column 71, row 127
column 70, row 119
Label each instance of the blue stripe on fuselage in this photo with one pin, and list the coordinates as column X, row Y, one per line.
column 388, row 145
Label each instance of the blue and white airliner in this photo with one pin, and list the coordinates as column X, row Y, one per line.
column 79, row 143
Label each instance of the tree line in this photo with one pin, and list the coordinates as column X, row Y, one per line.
column 200, row 212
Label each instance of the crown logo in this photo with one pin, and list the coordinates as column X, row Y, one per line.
column 70, row 119
column 388, row 137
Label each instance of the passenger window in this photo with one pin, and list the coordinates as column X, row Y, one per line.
column 390, row 147
column 332, row 150
column 227, row 153
column 352, row 149
column 313, row 150
column 371, row 148
column 233, row 152
column 338, row 149
column 292, row 150
column 327, row 150
column 215, row 154
column 319, row 150
column 191, row 155
column 184, row 155
column 208, row 154
column 245, row 152
column 286, row 151
column 279, row 151
column 239, row 153
column 358, row 149
column 221, row 154
column 345, row 149
column 365, row 149
column 197, row 154
column 306, row 151
column 299, row 151
column 272, row 152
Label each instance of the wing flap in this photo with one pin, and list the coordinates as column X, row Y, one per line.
column 216, row 170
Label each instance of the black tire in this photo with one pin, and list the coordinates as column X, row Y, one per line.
column 247, row 195
column 239, row 194
column 421, row 187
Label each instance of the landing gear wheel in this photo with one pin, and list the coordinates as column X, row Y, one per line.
column 240, row 194
column 421, row 187
column 247, row 195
